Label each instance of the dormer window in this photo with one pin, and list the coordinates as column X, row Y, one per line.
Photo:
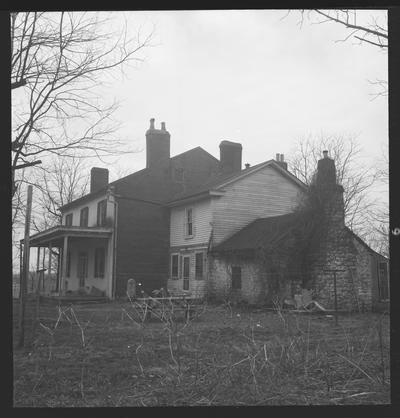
column 189, row 222
column 68, row 220
column 84, row 216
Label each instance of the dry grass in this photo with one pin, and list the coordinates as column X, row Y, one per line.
column 102, row 355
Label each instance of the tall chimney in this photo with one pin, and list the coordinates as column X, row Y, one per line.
column 158, row 145
column 98, row 178
column 329, row 191
column 230, row 156
column 326, row 172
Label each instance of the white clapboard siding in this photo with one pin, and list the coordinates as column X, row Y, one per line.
column 261, row 194
column 201, row 224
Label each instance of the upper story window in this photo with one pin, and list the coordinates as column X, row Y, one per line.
column 101, row 212
column 84, row 216
column 174, row 266
column 189, row 228
column 68, row 220
column 179, row 174
column 236, row 277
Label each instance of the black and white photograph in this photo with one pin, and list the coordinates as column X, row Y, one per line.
column 200, row 208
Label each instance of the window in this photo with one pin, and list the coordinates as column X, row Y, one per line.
column 99, row 262
column 199, row 265
column 179, row 174
column 186, row 272
column 68, row 220
column 383, row 282
column 174, row 266
column 84, row 216
column 101, row 212
column 189, row 222
column 68, row 272
column 82, row 268
column 236, row 277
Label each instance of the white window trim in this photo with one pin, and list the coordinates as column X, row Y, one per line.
column 185, row 225
column 179, row 267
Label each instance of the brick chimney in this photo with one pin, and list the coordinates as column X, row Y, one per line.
column 157, row 145
column 230, row 156
column 98, row 178
column 280, row 159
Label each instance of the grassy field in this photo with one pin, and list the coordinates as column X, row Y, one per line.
column 105, row 355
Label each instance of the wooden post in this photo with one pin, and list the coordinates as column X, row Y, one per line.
column 24, row 277
column 64, row 263
column 334, row 288
column 49, row 269
column 21, row 268
column 37, row 266
column 334, row 271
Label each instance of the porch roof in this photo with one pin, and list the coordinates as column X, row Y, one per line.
column 56, row 234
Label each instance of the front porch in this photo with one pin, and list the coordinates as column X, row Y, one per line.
column 81, row 266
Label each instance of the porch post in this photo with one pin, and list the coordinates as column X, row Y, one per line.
column 49, row 270
column 37, row 268
column 64, row 263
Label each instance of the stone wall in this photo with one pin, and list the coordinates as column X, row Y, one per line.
column 219, row 285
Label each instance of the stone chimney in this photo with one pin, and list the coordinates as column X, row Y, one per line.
column 280, row 159
column 230, row 157
column 98, row 179
column 329, row 191
column 158, row 145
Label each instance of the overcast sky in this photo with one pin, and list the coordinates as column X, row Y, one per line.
column 254, row 77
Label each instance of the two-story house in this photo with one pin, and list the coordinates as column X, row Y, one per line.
column 191, row 223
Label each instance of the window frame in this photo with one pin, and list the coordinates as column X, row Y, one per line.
column 69, row 219
column 101, row 215
column 172, row 277
column 236, row 282
column 99, row 262
column 201, row 254
column 85, row 211
column 187, row 223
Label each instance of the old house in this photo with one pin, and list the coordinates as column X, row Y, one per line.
column 195, row 223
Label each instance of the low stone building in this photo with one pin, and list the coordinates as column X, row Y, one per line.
column 275, row 258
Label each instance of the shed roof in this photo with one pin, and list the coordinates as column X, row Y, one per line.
column 261, row 232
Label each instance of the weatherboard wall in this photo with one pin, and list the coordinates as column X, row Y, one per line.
column 264, row 193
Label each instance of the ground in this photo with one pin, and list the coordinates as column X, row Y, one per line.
column 105, row 355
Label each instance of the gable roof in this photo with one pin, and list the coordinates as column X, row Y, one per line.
column 141, row 178
column 362, row 242
column 220, row 180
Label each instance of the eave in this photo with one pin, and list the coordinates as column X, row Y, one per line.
column 55, row 235
column 194, row 198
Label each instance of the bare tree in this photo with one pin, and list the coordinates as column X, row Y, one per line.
column 371, row 30
column 58, row 60
column 61, row 182
column 355, row 178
